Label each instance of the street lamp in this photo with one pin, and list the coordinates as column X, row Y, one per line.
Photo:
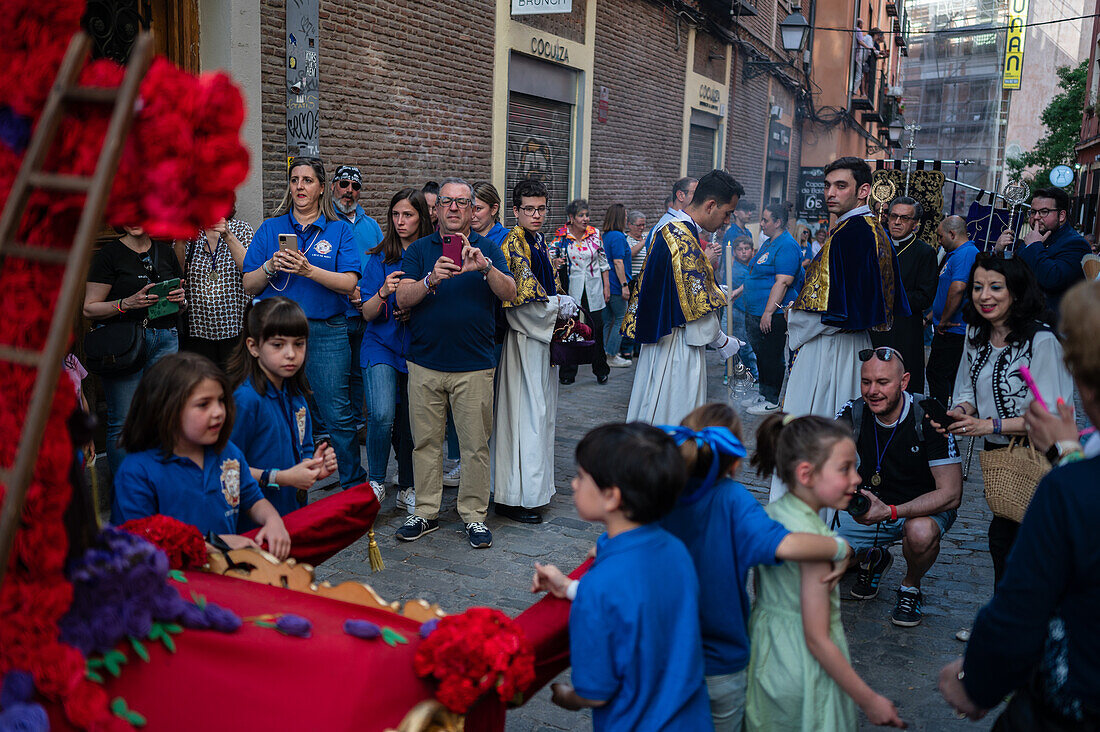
column 894, row 131
column 794, row 30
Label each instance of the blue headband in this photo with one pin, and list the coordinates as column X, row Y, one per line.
column 720, row 440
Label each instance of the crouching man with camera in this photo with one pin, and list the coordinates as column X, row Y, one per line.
column 912, row 483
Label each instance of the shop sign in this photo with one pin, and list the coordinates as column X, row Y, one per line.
column 811, row 194
column 541, row 7
column 1014, row 45
column 603, row 105
column 552, row 50
column 779, row 141
column 710, row 98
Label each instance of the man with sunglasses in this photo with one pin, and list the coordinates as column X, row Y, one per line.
column 346, row 185
column 911, row 475
column 1056, row 261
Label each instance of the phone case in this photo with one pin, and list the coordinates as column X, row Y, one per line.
column 163, row 306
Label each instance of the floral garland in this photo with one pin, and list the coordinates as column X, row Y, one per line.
column 186, row 129
column 480, row 650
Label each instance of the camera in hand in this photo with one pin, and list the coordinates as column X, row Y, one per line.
column 859, row 505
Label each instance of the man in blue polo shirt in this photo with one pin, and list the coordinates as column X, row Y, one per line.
column 950, row 335
column 451, row 359
column 346, row 185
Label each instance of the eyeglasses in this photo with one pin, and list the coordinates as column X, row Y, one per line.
column 882, row 353
column 341, row 184
column 532, row 210
column 1044, row 211
column 900, row 218
column 446, row 201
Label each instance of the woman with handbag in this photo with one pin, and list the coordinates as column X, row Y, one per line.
column 1038, row 636
column 589, row 279
column 117, row 297
column 1006, row 332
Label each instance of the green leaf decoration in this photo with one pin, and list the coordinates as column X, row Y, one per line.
column 119, row 709
column 156, row 632
column 177, row 575
column 392, row 637
column 198, row 599
column 135, row 719
column 173, row 628
column 169, row 643
column 95, row 663
column 118, row 706
column 139, row 648
column 160, row 631
column 93, row 676
column 112, row 660
column 265, row 624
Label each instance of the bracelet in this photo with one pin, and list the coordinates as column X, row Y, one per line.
column 893, row 512
column 379, row 295
column 267, row 271
column 265, row 478
column 571, row 590
column 1070, row 457
column 118, row 305
column 996, row 426
column 841, row 549
column 427, row 284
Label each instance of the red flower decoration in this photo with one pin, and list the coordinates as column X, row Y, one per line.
column 469, row 654
column 182, row 542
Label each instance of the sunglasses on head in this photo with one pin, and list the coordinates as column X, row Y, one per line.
column 346, row 183
column 882, row 353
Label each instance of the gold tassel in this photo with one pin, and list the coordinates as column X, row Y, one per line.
column 374, row 553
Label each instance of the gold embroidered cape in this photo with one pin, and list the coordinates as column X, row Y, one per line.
column 518, row 253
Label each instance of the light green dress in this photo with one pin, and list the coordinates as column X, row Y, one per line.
column 787, row 688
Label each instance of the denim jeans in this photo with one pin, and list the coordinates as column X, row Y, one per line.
column 746, row 354
column 613, row 320
column 356, row 328
column 119, row 391
column 328, row 361
column 388, row 423
column 727, row 700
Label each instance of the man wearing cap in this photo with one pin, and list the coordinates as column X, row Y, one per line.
column 346, row 184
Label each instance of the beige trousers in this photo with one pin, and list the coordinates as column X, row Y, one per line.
column 470, row 395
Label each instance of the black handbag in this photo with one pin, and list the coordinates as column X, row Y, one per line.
column 115, row 349
column 569, row 346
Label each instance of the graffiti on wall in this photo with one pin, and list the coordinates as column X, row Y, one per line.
column 302, row 102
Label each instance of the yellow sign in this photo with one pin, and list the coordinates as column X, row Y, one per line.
column 1014, row 47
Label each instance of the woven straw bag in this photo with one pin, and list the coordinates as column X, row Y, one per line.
column 1011, row 476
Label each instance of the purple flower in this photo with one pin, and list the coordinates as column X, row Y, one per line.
column 362, row 629
column 294, row 625
column 24, row 718
column 15, row 129
column 143, row 583
column 77, row 634
column 222, row 619
column 108, row 626
column 17, row 688
column 138, row 620
column 193, row 616
column 429, row 627
column 167, row 604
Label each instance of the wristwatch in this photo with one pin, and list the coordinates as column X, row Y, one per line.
column 1062, row 448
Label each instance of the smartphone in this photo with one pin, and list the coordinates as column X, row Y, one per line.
column 288, row 242
column 937, row 412
column 452, row 248
column 162, row 306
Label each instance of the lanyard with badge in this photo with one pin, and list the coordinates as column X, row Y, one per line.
column 294, row 227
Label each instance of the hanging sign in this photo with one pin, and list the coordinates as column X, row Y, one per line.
column 541, row 7
column 1014, row 44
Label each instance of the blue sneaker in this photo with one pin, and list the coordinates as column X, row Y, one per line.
column 872, row 566
column 907, row 611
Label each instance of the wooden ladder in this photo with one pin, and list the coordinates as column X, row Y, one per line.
column 30, row 177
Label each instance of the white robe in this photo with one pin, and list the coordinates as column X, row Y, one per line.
column 671, row 377
column 526, row 408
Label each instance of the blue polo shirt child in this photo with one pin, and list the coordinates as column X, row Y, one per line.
column 209, row 498
column 779, row 255
column 726, row 532
column 616, row 248
column 452, row 329
column 385, row 340
column 955, row 268
column 275, row 432
column 329, row 245
column 634, row 635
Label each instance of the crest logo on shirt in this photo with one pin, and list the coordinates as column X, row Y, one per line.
column 323, row 247
column 300, row 418
column 231, row 482
column 763, row 258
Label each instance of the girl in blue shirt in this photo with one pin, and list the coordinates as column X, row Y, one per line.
column 181, row 462
column 385, row 343
column 726, row 531
column 273, row 428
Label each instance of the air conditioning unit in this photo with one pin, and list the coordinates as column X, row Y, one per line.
column 894, row 91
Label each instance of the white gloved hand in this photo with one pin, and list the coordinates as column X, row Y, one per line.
column 726, row 346
column 567, row 307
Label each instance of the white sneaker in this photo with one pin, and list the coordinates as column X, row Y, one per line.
column 451, row 477
column 379, row 490
column 764, row 407
column 407, row 497
column 617, row 362
column 751, row 401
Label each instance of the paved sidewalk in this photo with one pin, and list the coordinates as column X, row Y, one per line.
column 901, row 663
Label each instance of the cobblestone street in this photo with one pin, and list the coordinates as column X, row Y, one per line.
column 901, row 663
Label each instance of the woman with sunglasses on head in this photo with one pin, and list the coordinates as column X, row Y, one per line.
column 305, row 252
column 119, row 279
column 1007, row 330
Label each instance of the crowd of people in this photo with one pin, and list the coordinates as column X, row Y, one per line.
column 431, row 338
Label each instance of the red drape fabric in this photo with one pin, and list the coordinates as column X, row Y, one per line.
column 324, row 527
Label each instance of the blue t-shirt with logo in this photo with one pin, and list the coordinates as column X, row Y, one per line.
column 955, row 268
column 452, row 329
column 777, row 256
column 329, row 245
column 209, row 498
column 616, row 247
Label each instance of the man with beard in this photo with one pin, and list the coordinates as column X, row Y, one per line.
column 346, row 185
column 911, row 475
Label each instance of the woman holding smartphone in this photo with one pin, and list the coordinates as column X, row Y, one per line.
column 306, row 253
column 119, row 279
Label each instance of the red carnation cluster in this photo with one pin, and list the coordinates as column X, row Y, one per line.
column 472, row 653
column 182, row 542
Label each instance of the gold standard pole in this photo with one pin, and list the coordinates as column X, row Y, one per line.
column 729, row 306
